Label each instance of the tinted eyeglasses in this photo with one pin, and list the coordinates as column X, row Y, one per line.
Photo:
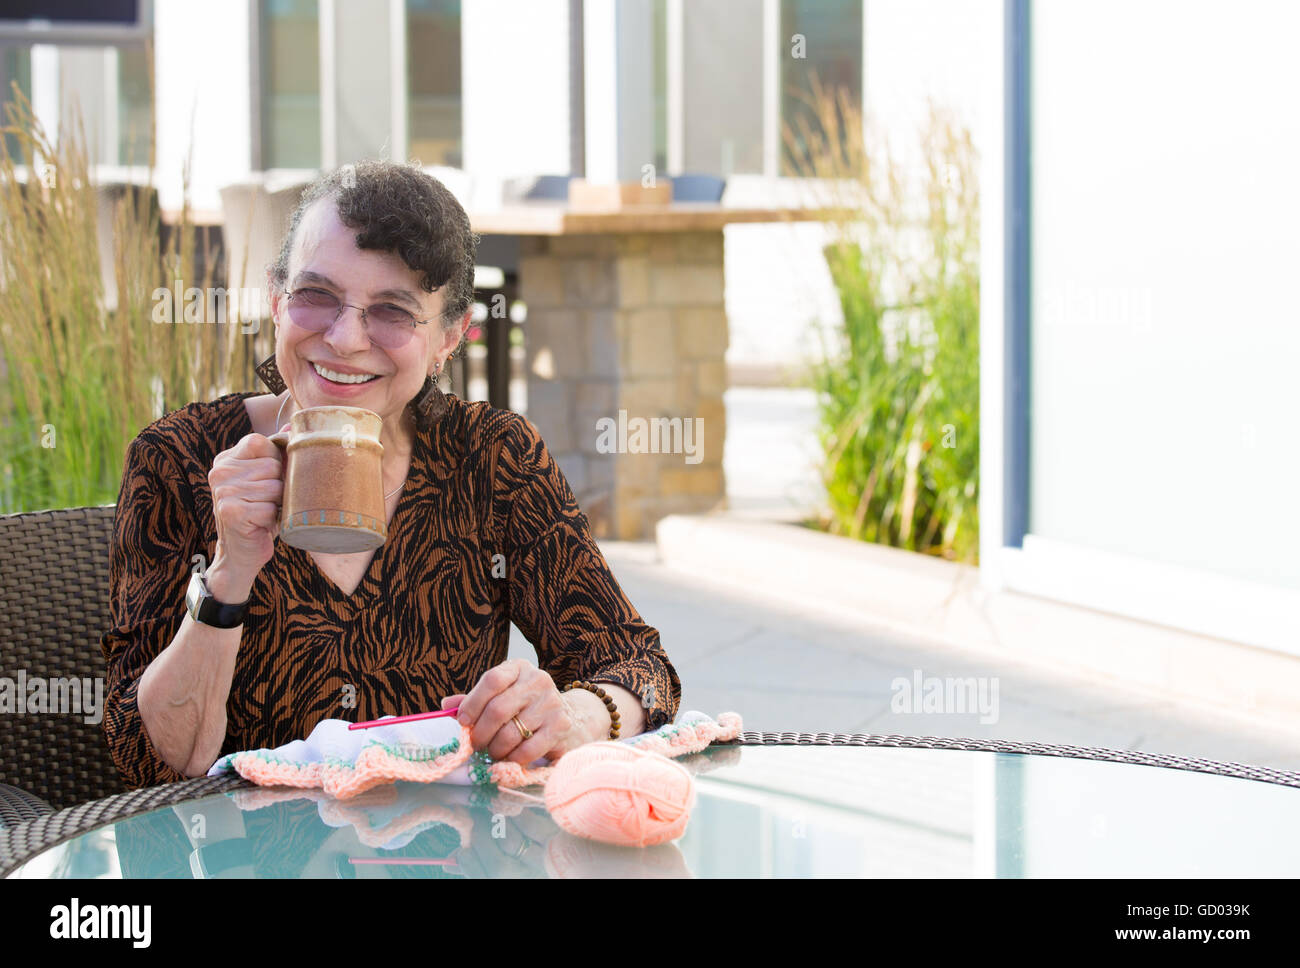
column 317, row 310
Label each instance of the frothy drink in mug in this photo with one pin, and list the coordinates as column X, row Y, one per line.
column 333, row 481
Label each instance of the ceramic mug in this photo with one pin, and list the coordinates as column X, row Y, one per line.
column 333, row 481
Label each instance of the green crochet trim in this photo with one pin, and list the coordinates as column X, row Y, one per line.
column 268, row 756
column 663, row 732
column 450, row 747
column 672, row 729
column 480, row 769
column 398, row 752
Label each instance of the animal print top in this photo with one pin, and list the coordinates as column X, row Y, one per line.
column 431, row 615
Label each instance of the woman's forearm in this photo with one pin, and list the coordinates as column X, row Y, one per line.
column 183, row 693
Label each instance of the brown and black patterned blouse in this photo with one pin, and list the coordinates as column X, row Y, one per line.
column 431, row 615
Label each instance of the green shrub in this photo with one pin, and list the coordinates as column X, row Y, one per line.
column 899, row 384
column 78, row 378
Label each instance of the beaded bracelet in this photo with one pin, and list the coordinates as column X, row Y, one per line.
column 605, row 698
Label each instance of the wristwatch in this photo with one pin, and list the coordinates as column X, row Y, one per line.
column 206, row 609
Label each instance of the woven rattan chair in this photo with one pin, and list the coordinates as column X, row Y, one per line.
column 54, row 606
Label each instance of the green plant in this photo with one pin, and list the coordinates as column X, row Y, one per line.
column 899, row 384
column 81, row 374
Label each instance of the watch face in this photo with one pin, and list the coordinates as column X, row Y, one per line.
column 194, row 596
column 205, row 609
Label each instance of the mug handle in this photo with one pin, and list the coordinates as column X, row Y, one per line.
column 281, row 440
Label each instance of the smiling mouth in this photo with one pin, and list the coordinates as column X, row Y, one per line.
column 336, row 377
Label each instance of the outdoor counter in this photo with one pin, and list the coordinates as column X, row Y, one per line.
column 626, row 340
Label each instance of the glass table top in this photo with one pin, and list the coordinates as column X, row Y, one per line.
column 761, row 811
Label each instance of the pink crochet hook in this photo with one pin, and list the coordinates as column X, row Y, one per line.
column 394, row 720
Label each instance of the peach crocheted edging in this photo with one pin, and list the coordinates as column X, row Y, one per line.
column 375, row 764
column 671, row 740
column 381, row 763
column 679, row 739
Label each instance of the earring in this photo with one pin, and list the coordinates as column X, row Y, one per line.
column 269, row 374
column 430, row 403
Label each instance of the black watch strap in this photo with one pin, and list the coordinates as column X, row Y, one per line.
column 207, row 610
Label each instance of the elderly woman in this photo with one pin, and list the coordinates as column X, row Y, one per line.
column 370, row 296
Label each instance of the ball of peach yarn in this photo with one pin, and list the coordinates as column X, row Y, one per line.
column 618, row 794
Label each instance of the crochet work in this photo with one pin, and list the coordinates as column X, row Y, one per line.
column 344, row 763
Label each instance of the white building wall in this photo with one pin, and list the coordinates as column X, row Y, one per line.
column 1163, row 333
column 1163, row 284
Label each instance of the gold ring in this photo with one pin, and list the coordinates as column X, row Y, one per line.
column 524, row 730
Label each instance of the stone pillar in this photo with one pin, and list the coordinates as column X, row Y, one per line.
column 626, row 337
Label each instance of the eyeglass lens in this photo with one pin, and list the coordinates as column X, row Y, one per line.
column 316, row 310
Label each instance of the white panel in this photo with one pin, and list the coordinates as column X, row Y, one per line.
column 1200, row 601
column 1164, row 320
column 600, row 81
column 45, row 86
column 676, row 108
column 723, row 80
column 918, row 50
column 397, row 93
column 361, row 88
column 636, row 96
column 329, row 80
column 85, row 101
column 204, row 103
column 515, row 85
column 990, row 84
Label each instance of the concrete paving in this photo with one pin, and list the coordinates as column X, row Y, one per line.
column 783, row 667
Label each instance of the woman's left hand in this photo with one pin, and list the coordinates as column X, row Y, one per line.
column 519, row 688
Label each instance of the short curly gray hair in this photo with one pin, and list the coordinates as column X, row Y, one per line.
column 398, row 208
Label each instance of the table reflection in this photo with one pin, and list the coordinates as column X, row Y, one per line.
column 760, row 811
column 401, row 830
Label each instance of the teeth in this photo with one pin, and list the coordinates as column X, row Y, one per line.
column 344, row 377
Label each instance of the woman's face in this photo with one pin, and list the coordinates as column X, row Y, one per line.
column 325, row 257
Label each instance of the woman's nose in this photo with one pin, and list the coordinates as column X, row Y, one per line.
column 348, row 333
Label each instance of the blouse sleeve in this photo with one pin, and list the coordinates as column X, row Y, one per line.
column 154, row 537
column 562, row 594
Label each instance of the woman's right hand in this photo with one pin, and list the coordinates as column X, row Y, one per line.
column 247, row 484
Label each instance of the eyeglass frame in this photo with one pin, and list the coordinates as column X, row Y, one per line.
column 363, row 310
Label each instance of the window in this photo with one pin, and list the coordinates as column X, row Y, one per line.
column 722, row 64
column 291, row 108
column 660, row 57
column 15, row 65
column 433, row 81
column 822, row 39
column 134, row 104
